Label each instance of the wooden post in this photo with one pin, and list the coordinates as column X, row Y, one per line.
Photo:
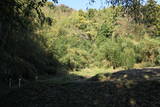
column 36, row 77
column 19, row 82
column 10, row 82
column 0, row 28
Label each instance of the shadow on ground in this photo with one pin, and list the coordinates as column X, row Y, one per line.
column 129, row 75
column 142, row 92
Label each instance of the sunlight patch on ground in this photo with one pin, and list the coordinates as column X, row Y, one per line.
column 90, row 72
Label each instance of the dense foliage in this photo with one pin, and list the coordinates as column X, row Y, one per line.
column 38, row 36
column 103, row 38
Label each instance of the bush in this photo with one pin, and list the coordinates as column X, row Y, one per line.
column 105, row 30
column 127, row 58
column 76, row 58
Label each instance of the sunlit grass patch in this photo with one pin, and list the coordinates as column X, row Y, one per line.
column 90, row 72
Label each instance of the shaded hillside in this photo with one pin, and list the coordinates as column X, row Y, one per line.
column 22, row 54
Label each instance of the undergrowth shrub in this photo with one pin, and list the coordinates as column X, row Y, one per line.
column 127, row 58
column 76, row 58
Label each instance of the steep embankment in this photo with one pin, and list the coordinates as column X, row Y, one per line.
column 130, row 92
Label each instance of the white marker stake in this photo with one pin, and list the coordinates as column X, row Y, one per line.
column 19, row 82
column 36, row 77
column 10, row 82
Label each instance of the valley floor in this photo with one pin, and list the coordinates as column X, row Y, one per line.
column 127, row 88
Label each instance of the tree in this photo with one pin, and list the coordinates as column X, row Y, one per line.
column 132, row 8
column 151, row 12
column 21, row 54
column 151, row 17
column 18, row 14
